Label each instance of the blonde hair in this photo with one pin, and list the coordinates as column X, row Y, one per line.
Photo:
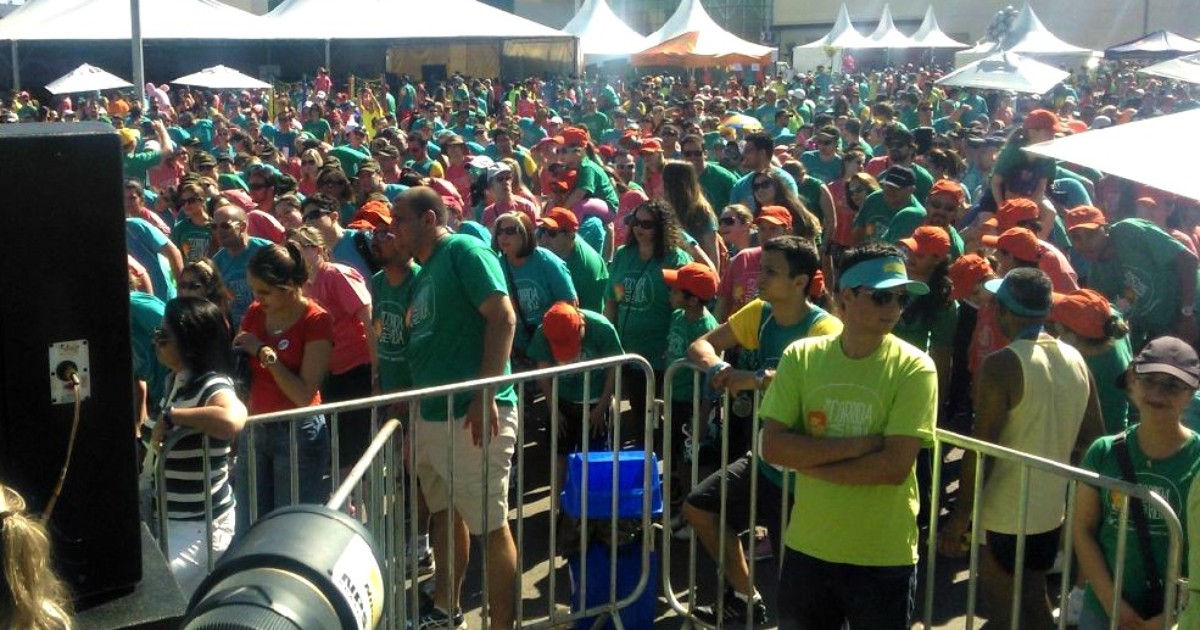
column 310, row 236
column 31, row 595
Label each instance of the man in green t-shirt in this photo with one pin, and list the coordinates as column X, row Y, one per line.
column 558, row 231
column 715, row 180
column 877, row 218
column 849, row 413
column 1145, row 272
column 461, row 325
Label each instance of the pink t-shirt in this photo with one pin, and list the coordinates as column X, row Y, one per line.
column 987, row 338
column 343, row 293
column 516, row 204
column 1055, row 264
column 844, row 234
column 153, row 219
column 263, row 225
column 739, row 283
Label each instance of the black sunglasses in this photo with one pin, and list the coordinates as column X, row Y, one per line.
column 161, row 337
column 313, row 215
column 729, row 221
column 764, row 184
column 693, row 154
column 884, row 298
column 511, row 230
column 633, row 221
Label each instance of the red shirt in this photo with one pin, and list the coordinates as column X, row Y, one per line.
column 314, row 325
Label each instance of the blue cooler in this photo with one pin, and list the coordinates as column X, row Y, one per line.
column 630, row 467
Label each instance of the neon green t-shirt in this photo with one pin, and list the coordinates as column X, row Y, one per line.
column 820, row 392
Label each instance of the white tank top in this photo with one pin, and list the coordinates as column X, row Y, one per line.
column 1045, row 423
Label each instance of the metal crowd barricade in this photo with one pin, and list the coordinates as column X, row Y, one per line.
column 1075, row 476
column 687, row 608
column 381, row 507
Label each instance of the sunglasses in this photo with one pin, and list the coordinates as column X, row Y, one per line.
column 885, row 298
column 729, row 221
column 308, row 162
column 226, row 225
column 547, row 232
column 826, row 142
column 511, row 230
column 633, row 221
column 858, row 190
column 1168, row 384
column 186, row 200
column 190, row 286
column 625, row 167
column 313, row 215
column 764, row 184
column 161, row 337
column 693, row 154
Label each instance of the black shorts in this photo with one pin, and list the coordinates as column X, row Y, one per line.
column 706, row 496
column 1040, row 550
column 353, row 427
column 570, row 430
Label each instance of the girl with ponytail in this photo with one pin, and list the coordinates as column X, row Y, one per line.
column 31, row 596
column 289, row 341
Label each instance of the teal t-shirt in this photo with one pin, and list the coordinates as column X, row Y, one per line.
column 388, row 307
column 680, row 335
column 146, row 314
column 233, row 273
column 599, row 340
column 643, row 301
column 192, row 240
column 538, row 283
column 826, row 171
column 446, row 328
column 1171, row 478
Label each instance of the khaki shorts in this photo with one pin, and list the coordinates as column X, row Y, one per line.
column 435, row 467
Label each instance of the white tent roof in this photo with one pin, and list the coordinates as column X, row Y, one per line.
column 886, row 35
column 109, row 20
column 1121, row 150
column 86, row 78
column 1007, row 71
column 382, row 19
column 930, row 35
column 1028, row 36
column 602, row 34
column 842, row 35
column 221, row 77
column 1181, row 69
column 690, row 17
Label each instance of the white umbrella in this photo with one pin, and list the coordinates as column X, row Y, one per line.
column 222, row 77
column 1007, row 71
column 1181, row 69
column 1127, row 151
column 86, row 78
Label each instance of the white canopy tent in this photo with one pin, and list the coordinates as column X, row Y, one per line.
column 602, row 35
column 386, row 20
column 1006, row 71
column 90, row 20
column 1028, row 36
column 1180, row 69
column 886, row 35
column 1122, row 151
column 691, row 38
column 86, row 78
column 930, row 35
column 842, row 35
column 220, row 77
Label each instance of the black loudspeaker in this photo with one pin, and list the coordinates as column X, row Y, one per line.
column 64, row 307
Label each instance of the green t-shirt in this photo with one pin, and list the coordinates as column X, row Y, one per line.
column 904, row 223
column 599, row 341
column 446, row 329
column 192, row 240
column 319, row 128
column 596, row 123
column 595, row 182
column 680, row 335
column 1022, row 170
column 137, row 164
column 926, row 333
column 1171, row 478
column 589, row 275
column 818, row 391
column 876, row 216
column 717, row 183
column 1105, row 367
column 388, row 307
column 924, row 182
column 643, row 301
column 1140, row 278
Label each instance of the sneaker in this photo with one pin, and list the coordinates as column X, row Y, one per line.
column 434, row 618
column 425, row 563
column 734, row 611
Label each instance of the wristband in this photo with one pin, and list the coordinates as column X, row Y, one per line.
column 167, row 419
column 716, row 369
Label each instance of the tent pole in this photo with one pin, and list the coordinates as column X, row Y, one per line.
column 328, row 65
column 139, row 71
column 1145, row 17
column 16, row 67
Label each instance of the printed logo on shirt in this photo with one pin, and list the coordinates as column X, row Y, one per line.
column 637, row 293
column 529, row 296
column 1139, row 292
column 391, row 334
column 421, row 311
column 1164, row 487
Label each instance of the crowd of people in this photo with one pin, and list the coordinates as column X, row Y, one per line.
column 873, row 252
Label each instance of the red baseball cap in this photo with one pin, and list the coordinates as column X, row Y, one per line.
column 696, row 278
column 1085, row 217
column 928, row 239
column 1084, row 311
column 563, row 327
column 777, row 215
column 966, row 273
column 1020, row 242
column 1043, row 119
column 559, row 219
column 651, row 146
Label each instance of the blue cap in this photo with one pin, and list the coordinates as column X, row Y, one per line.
column 885, row 272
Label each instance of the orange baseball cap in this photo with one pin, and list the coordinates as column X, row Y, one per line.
column 967, row 272
column 1044, row 119
column 777, row 215
column 1013, row 212
column 559, row 219
column 563, row 327
column 1020, row 242
column 651, row 146
column 948, row 187
column 575, row 136
column 928, row 239
column 696, row 278
column 1084, row 311
column 1085, row 217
